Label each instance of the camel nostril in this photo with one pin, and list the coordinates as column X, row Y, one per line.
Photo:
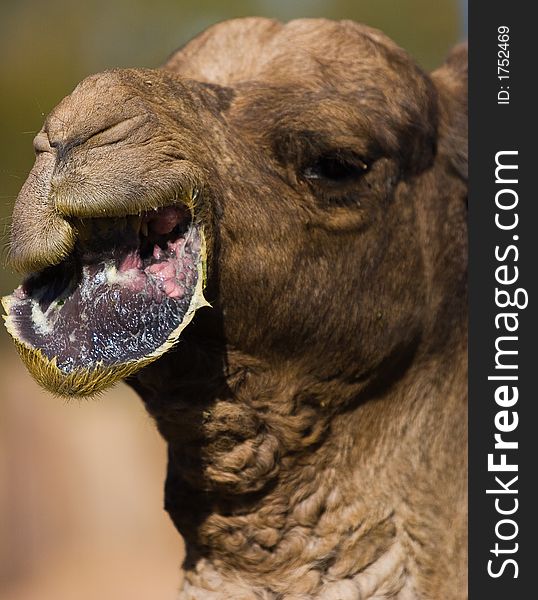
column 62, row 147
column 42, row 143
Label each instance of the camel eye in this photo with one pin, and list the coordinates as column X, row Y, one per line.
column 334, row 169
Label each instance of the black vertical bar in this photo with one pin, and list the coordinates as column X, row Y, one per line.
column 502, row 119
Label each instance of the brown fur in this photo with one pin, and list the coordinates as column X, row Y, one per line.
column 316, row 415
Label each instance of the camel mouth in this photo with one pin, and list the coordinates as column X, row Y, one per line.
column 118, row 302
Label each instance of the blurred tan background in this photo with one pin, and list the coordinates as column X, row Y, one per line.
column 81, row 483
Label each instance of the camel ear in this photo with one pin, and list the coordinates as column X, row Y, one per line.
column 451, row 82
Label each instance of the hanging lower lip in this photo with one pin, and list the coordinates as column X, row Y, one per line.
column 111, row 307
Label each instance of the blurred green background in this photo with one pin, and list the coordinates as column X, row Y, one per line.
column 81, row 484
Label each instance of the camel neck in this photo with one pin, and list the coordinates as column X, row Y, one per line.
column 288, row 496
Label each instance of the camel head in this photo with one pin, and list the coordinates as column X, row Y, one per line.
column 303, row 187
